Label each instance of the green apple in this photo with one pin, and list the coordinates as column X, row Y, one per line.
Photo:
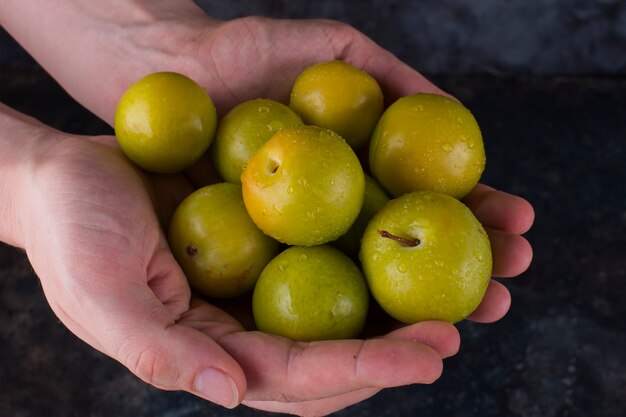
column 311, row 293
column 216, row 243
column 243, row 130
column 375, row 199
column 165, row 122
column 426, row 257
column 427, row 142
column 304, row 186
column 337, row 96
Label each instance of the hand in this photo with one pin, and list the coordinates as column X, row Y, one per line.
column 505, row 217
column 93, row 238
column 239, row 60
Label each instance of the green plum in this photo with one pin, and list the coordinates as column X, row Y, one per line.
column 427, row 142
column 165, row 122
column 216, row 243
column 426, row 257
column 243, row 130
column 311, row 293
column 374, row 200
column 337, row 96
column 304, row 186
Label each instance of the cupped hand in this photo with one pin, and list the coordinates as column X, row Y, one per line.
column 94, row 239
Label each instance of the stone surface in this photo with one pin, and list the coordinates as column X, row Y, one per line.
column 466, row 36
column 460, row 36
column 561, row 351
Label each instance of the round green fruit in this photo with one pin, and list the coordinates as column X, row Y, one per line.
column 216, row 243
column 426, row 257
column 311, row 293
column 337, row 96
column 243, row 130
column 304, row 186
column 374, row 200
column 427, row 142
column 165, row 122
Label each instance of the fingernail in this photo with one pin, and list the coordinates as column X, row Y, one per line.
column 217, row 387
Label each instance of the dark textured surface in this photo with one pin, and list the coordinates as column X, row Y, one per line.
column 560, row 142
column 460, row 36
column 561, row 351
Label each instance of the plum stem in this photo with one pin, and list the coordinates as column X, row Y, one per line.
column 403, row 240
column 191, row 250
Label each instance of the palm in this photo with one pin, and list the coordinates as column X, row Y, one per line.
column 112, row 279
column 104, row 235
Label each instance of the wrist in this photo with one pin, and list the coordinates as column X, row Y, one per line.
column 23, row 146
column 100, row 48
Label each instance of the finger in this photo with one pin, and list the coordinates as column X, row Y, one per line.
column 321, row 407
column 285, row 371
column 171, row 356
column 494, row 305
column 500, row 210
column 168, row 283
column 282, row 370
column 135, row 327
column 396, row 78
column 512, row 254
column 443, row 337
column 210, row 319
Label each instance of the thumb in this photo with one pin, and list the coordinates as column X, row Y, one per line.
column 134, row 324
column 396, row 78
column 176, row 357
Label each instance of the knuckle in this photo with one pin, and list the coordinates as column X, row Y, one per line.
column 433, row 371
column 339, row 26
column 438, row 371
column 293, row 377
column 254, row 20
column 151, row 365
column 342, row 32
column 359, row 359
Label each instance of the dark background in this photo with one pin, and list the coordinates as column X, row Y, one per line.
column 546, row 81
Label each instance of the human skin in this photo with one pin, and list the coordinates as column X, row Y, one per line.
column 79, row 199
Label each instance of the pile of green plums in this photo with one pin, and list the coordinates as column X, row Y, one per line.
column 297, row 221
